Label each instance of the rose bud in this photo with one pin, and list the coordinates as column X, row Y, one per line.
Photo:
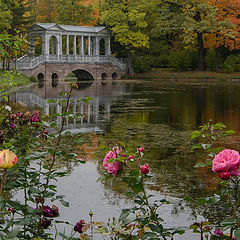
column 145, row 169
column 130, row 157
column 224, row 175
column 141, row 149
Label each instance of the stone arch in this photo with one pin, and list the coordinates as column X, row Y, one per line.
column 54, row 80
column 102, row 46
column 114, row 76
column 83, row 75
column 104, row 76
column 40, row 78
column 53, row 42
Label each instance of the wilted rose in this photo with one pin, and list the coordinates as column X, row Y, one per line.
column 7, row 159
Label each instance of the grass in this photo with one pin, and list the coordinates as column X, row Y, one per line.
column 171, row 74
column 9, row 79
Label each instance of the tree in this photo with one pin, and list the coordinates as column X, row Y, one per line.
column 73, row 12
column 45, row 11
column 5, row 16
column 227, row 10
column 127, row 21
column 195, row 20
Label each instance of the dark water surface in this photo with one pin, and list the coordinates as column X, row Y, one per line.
column 155, row 114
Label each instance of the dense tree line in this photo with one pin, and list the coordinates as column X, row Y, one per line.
column 186, row 34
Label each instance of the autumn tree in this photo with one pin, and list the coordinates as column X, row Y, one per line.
column 73, row 12
column 45, row 11
column 227, row 10
column 127, row 21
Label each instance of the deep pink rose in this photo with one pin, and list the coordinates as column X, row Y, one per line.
column 141, row 149
column 130, row 157
column 145, row 169
column 224, row 175
column 227, row 161
column 112, row 167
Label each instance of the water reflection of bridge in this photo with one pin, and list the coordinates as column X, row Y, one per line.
column 95, row 114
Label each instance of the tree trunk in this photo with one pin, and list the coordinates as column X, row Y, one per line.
column 130, row 66
column 201, row 53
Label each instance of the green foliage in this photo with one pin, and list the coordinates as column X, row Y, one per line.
column 126, row 20
column 230, row 63
column 209, row 137
column 33, row 79
column 211, row 59
column 141, row 64
column 183, row 60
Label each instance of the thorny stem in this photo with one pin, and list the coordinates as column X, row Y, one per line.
column 57, row 143
column 3, row 176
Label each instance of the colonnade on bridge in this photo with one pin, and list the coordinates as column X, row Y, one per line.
column 61, row 42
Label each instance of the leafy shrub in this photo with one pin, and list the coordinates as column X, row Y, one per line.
column 211, row 59
column 230, row 63
column 183, row 60
column 141, row 64
column 33, row 79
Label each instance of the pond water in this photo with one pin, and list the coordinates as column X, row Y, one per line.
column 155, row 114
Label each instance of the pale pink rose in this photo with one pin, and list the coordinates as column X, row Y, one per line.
column 112, row 167
column 227, row 161
column 7, row 159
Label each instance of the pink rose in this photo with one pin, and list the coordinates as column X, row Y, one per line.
column 141, row 149
column 224, row 175
column 7, row 159
column 112, row 167
column 227, row 161
column 145, row 169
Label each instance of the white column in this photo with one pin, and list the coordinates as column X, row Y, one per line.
column 97, row 46
column 74, row 45
column 32, row 45
column 109, row 46
column 43, row 45
column 46, row 51
column 60, row 45
column 89, row 45
column 82, row 45
column 67, row 44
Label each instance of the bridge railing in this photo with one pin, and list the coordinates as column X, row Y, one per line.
column 29, row 62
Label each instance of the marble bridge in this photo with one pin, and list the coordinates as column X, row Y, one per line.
column 59, row 50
